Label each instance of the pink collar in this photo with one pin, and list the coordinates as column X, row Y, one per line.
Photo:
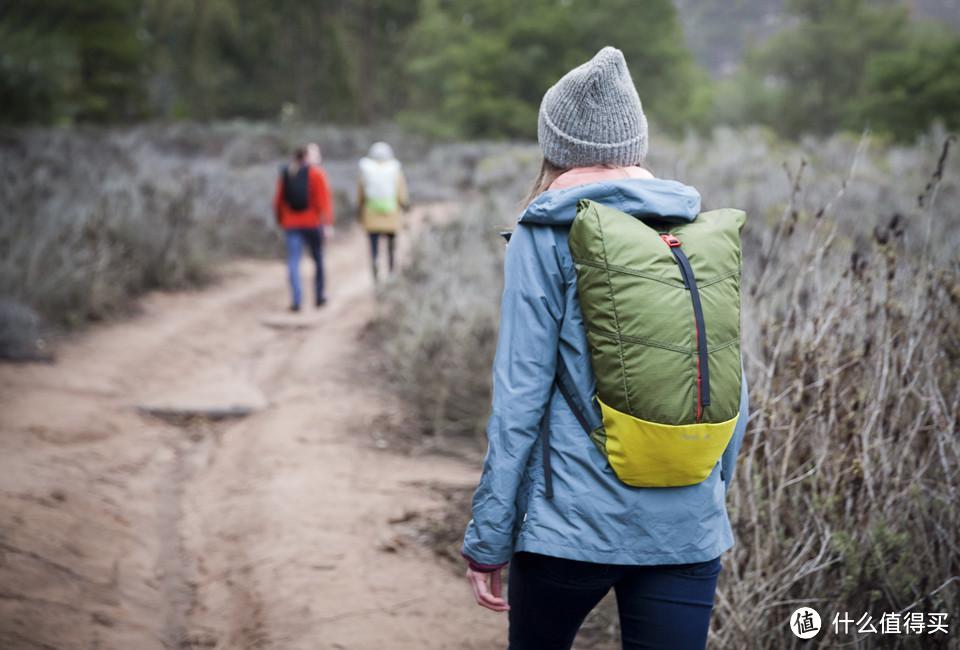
column 595, row 174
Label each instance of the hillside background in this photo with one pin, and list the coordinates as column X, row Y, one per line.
column 720, row 32
column 468, row 69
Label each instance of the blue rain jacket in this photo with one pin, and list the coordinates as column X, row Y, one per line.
column 592, row 516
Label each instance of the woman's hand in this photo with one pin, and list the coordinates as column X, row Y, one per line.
column 488, row 589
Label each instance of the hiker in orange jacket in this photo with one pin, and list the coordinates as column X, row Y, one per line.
column 303, row 207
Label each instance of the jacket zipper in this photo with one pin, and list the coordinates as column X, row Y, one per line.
column 700, row 328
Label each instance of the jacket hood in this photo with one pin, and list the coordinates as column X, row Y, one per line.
column 640, row 197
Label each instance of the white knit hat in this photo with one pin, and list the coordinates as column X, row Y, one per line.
column 381, row 151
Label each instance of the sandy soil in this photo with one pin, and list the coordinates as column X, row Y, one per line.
column 125, row 524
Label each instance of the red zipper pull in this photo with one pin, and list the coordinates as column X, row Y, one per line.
column 670, row 240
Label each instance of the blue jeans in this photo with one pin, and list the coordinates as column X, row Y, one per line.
column 295, row 239
column 665, row 607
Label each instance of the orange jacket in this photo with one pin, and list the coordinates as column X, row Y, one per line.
column 319, row 211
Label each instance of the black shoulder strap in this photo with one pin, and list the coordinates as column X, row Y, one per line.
column 564, row 383
column 568, row 389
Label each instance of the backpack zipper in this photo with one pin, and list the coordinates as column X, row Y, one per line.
column 700, row 328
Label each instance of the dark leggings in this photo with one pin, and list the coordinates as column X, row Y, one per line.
column 660, row 606
column 374, row 241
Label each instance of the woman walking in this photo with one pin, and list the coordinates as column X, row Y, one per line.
column 609, row 448
column 382, row 195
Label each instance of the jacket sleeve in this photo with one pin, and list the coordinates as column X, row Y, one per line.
column 321, row 200
column 523, row 377
column 728, row 461
column 403, row 197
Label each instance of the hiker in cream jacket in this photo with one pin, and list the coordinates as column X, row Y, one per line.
column 382, row 197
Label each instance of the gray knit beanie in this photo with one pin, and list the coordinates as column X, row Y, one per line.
column 593, row 116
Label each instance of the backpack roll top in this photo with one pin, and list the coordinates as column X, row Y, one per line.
column 661, row 304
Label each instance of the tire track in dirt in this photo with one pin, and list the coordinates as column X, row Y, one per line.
column 120, row 530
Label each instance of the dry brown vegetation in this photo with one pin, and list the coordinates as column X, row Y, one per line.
column 92, row 218
column 846, row 490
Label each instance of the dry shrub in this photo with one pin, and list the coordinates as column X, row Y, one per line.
column 848, row 482
column 93, row 218
column 437, row 339
column 438, row 325
column 846, row 489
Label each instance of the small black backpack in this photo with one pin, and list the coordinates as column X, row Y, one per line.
column 296, row 188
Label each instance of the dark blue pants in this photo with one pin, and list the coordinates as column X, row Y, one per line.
column 660, row 606
column 295, row 240
column 374, row 245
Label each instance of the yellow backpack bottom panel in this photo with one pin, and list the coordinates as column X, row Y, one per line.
column 650, row 454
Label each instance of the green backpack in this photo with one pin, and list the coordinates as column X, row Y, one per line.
column 661, row 305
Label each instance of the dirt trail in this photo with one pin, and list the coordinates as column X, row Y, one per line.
column 119, row 529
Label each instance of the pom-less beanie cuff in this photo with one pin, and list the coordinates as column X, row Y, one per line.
column 593, row 116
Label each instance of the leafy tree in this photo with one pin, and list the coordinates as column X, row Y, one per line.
column 292, row 52
column 818, row 65
column 71, row 60
column 458, row 67
column 905, row 91
column 481, row 68
column 101, row 60
column 37, row 71
column 848, row 64
column 110, row 59
column 331, row 59
column 189, row 40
